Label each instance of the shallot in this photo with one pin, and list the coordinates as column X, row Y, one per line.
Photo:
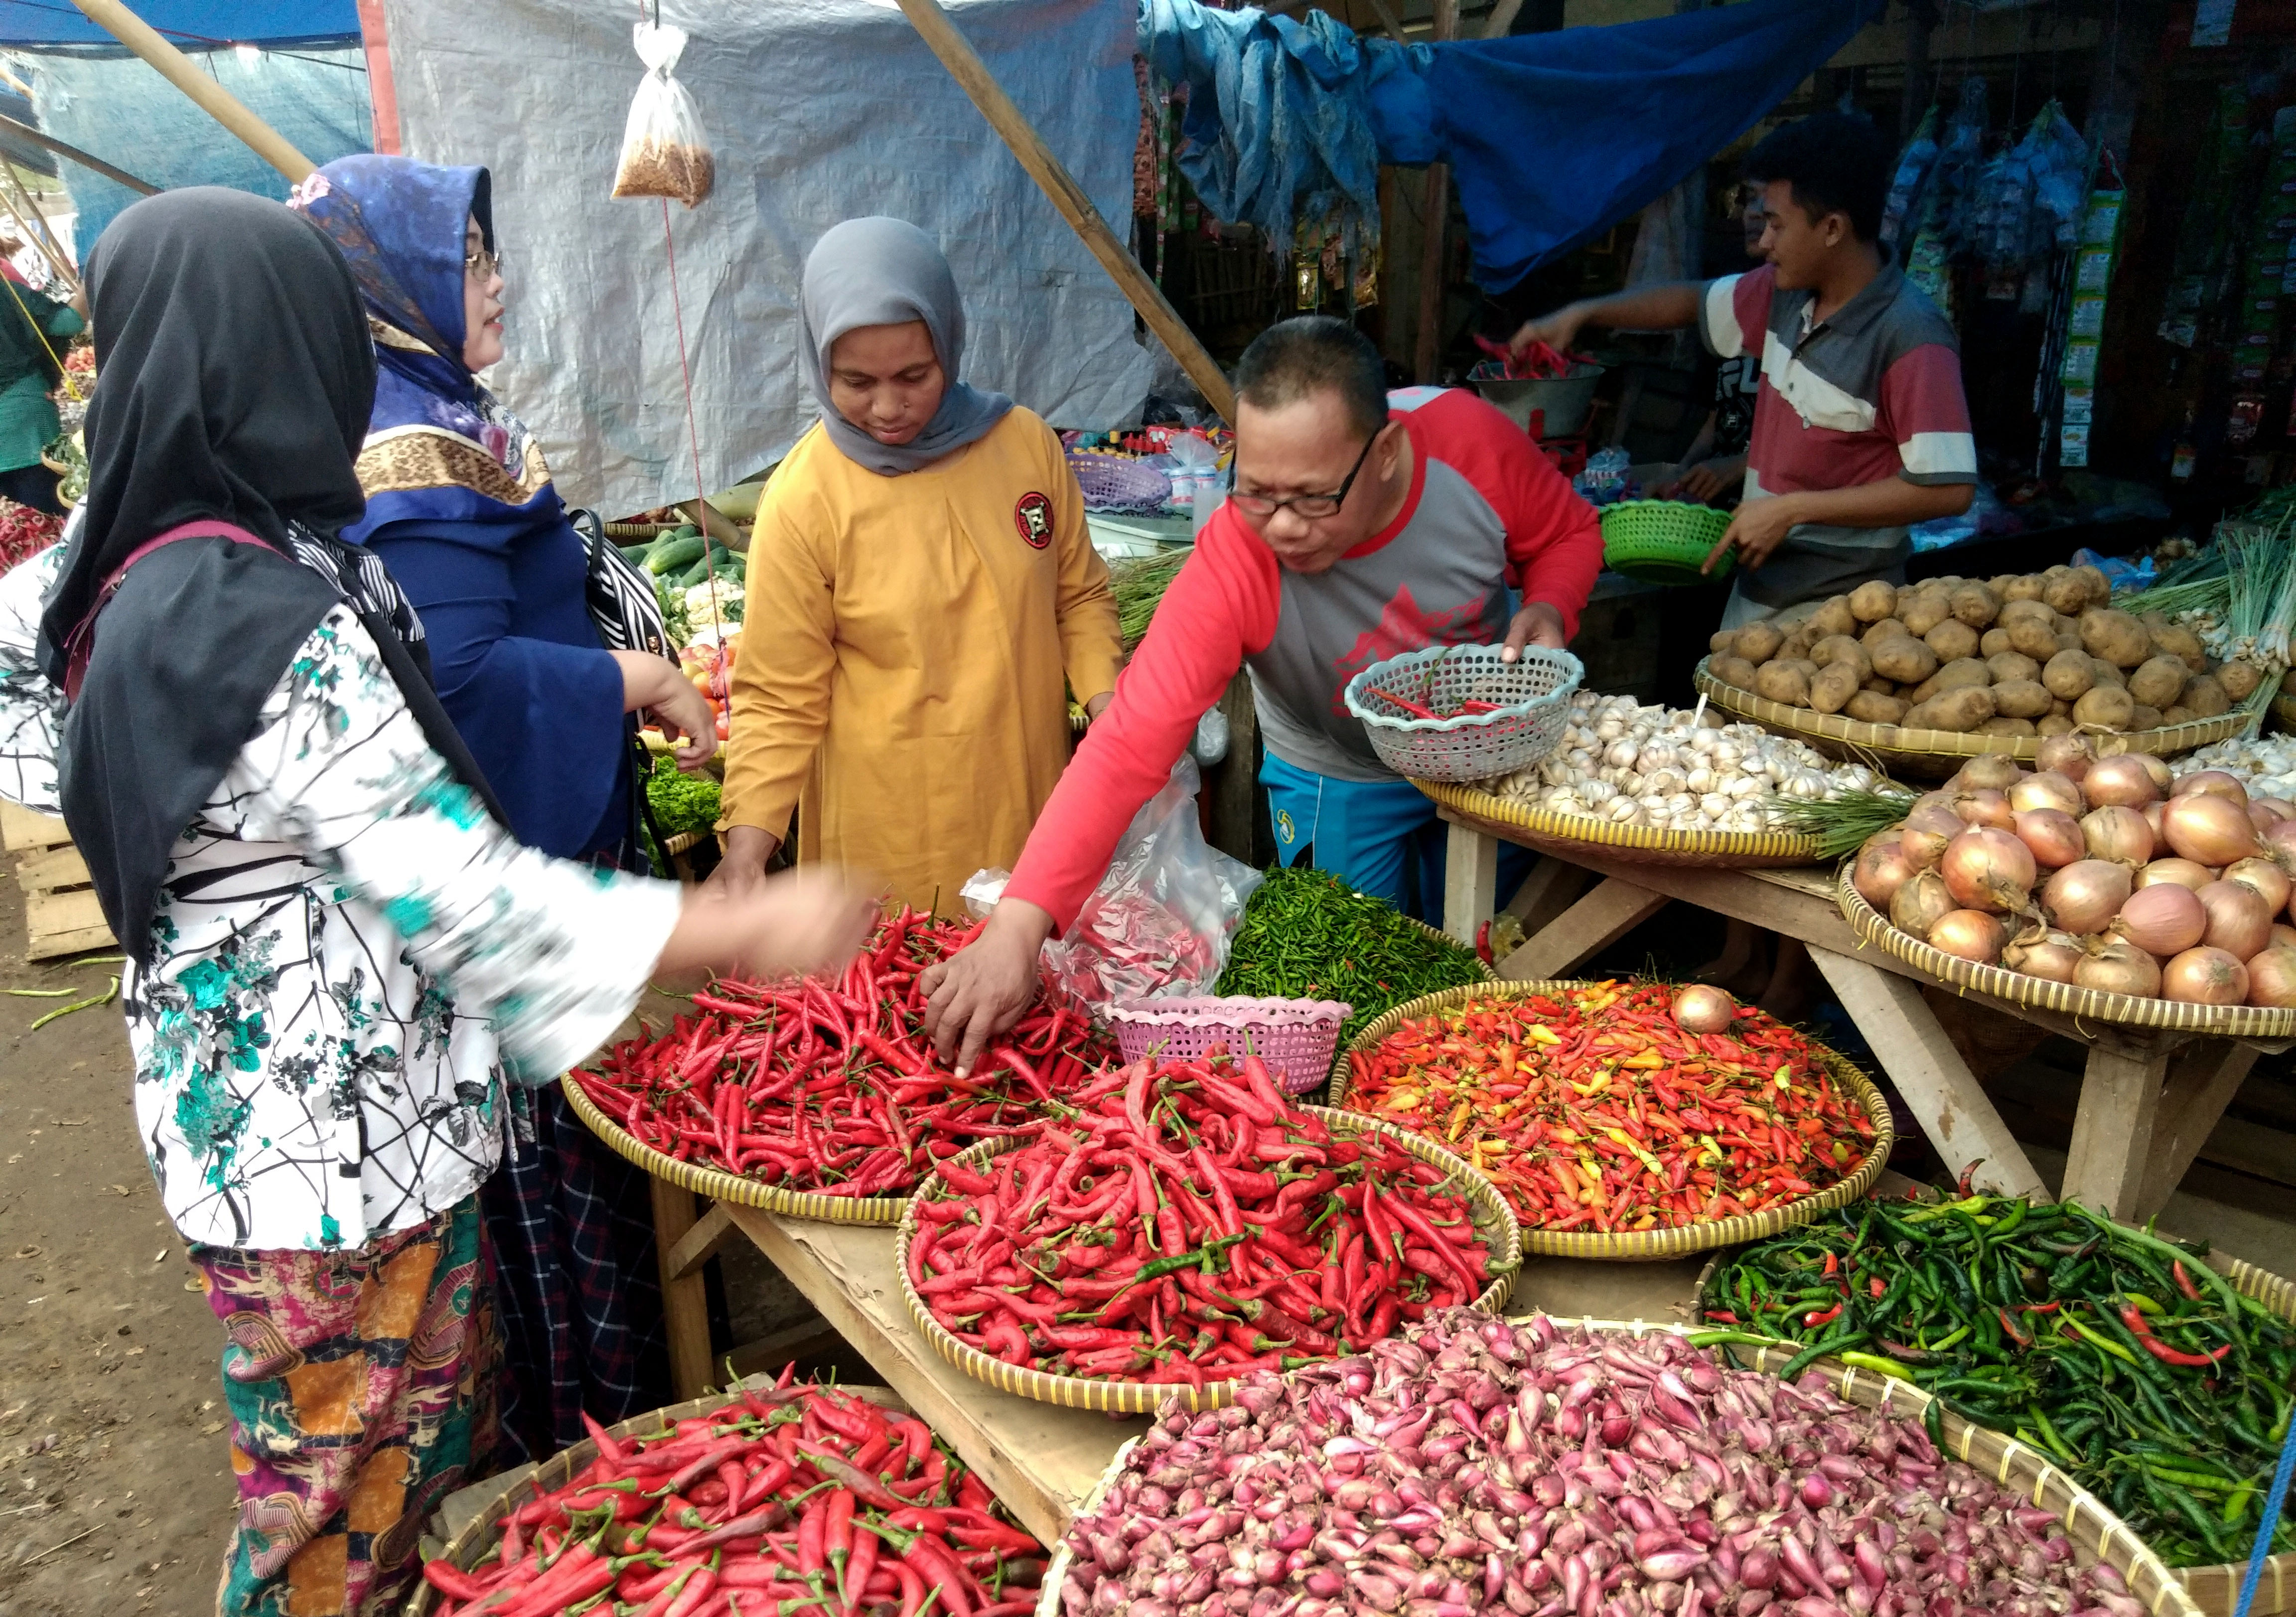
column 1703, row 1008
column 2209, row 830
column 1989, row 869
column 2240, row 922
column 2121, row 967
column 2053, row 835
column 1882, row 868
column 2085, row 895
column 2182, row 872
column 2272, row 974
column 2164, row 919
column 2205, row 976
column 1970, row 934
column 2123, row 781
column 2117, row 833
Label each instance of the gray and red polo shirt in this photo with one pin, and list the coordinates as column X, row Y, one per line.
column 1871, row 392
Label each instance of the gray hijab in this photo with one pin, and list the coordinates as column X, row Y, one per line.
column 887, row 272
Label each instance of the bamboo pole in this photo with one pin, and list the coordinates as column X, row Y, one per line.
column 217, row 102
column 1502, row 17
column 40, row 137
column 38, row 234
column 972, row 75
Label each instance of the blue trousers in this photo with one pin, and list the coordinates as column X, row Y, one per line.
column 1380, row 837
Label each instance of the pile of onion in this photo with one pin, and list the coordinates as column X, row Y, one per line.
column 2106, row 872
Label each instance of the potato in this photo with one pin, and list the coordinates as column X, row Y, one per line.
column 2061, row 708
column 1886, row 629
column 1802, row 665
column 1873, row 600
column 2022, row 699
column 1975, row 605
column 2025, row 607
column 1999, row 726
column 2007, row 666
column 2178, row 715
column 1960, row 710
column 2068, row 640
column 2100, row 588
column 1961, row 673
column 2056, row 723
column 2106, row 707
column 2240, row 677
column 2158, row 681
column 1994, row 643
column 1833, row 617
column 2105, row 673
column 1783, row 682
column 1905, row 660
column 1721, row 641
column 2075, row 590
column 2116, row 636
column 2020, row 586
column 2070, row 674
column 1923, row 609
column 1835, row 685
column 1873, row 708
column 1733, row 671
column 1758, row 643
column 1841, row 648
column 1798, row 641
column 1920, row 693
column 2033, row 638
column 1952, row 640
column 2206, row 696
column 2143, row 718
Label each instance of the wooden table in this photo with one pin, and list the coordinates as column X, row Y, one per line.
column 2148, row 1099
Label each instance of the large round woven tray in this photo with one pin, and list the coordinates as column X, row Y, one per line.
column 2087, row 1005
column 719, row 1186
column 482, row 1534
column 2096, row 1533
column 1544, row 829
column 1650, row 1245
column 2214, row 1589
column 1490, row 1212
column 1934, row 754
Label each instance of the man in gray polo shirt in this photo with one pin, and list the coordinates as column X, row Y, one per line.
column 1860, row 427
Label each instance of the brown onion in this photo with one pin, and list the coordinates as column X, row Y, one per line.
column 2275, row 809
column 1989, row 870
column 2184, row 872
column 2204, row 976
column 1988, row 772
column 2122, row 780
column 2272, row 975
column 2084, row 896
column 2118, row 834
column 2069, row 755
column 1970, row 934
column 1926, row 834
column 1985, row 807
column 2056, row 956
column 2209, row 830
column 2047, row 790
column 1882, row 868
column 1703, row 1008
column 2240, row 922
column 2120, row 967
column 2162, row 776
column 2279, row 841
column 2267, row 877
column 1919, row 904
column 2214, row 781
column 2282, row 933
column 2152, row 812
column 2163, row 919
column 2053, row 835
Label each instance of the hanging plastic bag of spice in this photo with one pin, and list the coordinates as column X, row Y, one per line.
column 664, row 152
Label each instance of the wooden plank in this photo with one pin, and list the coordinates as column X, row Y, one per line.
column 1470, row 882
column 1929, row 1073
column 22, row 828
column 2202, row 1078
column 1597, row 921
column 699, row 1244
column 52, row 870
column 1068, row 198
column 1235, row 781
column 2112, row 1132
column 1041, row 1460
column 1553, row 886
column 63, row 923
column 684, row 1304
column 1502, row 17
column 767, row 1354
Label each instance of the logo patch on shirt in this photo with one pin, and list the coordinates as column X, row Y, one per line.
column 1033, row 517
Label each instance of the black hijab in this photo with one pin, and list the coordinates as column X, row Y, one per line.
column 235, row 375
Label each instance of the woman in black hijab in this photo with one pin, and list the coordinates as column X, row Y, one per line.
column 336, row 956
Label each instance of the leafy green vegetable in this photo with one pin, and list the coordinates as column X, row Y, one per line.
column 681, row 802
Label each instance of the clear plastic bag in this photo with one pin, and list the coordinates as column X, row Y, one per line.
column 664, row 152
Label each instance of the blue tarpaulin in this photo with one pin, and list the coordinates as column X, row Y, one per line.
column 1552, row 138
column 37, row 22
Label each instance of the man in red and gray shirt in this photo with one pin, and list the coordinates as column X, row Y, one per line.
column 1860, row 428
column 1360, row 526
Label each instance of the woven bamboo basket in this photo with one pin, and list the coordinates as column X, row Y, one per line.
column 1652, row 1245
column 1564, row 833
column 719, row 1186
column 1489, row 1210
column 1935, row 754
column 2096, row 1533
column 2214, row 1589
column 477, row 1540
column 2089, row 1004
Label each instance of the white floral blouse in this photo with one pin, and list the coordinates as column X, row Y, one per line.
column 348, row 954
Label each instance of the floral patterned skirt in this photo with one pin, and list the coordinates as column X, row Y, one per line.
column 361, row 1389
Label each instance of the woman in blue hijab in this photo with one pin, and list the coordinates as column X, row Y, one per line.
column 459, row 505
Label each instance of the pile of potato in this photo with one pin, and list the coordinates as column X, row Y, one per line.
column 2024, row 654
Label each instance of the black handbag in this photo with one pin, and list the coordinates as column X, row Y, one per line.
column 620, row 597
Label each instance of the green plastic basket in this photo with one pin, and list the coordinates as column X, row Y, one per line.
column 1664, row 541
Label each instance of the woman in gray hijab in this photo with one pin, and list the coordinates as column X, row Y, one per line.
column 923, row 597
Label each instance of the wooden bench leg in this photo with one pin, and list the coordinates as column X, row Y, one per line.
column 1470, row 881
column 1604, row 916
column 684, row 1303
column 2202, row 1079
column 1936, row 1084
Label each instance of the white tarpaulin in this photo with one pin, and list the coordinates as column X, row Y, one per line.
column 818, row 111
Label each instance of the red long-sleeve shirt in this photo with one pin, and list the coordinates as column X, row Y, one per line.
column 1486, row 512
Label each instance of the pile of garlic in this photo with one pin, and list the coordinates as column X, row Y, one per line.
column 1631, row 765
column 2265, row 765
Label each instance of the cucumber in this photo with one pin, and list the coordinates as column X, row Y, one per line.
column 718, row 554
column 675, row 551
column 636, row 554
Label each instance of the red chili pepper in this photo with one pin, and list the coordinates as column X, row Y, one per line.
column 2184, row 1281
column 1818, row 1317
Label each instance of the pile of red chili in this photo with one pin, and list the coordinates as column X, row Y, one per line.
column 1595, row 1111
column 784, row 1499
column 1188, row 1224
column 832, row 1087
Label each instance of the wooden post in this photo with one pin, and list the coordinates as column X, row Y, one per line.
column 217, row 102
column 1428, row 354
column 964, row 65
column 1388, row 21
column 1501, row 18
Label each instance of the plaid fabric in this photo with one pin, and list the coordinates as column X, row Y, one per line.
column 571, row 1228
column 361, row 1389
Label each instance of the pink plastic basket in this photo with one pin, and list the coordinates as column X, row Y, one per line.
column 1295, row 1038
